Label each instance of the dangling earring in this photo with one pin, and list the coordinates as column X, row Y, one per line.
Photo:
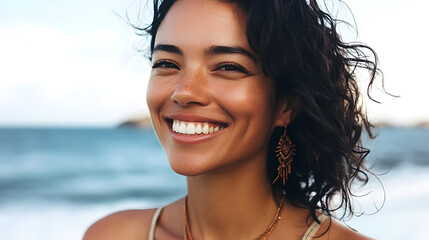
column 284, row 152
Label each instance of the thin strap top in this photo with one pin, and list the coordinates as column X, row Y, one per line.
column 153, row 224
column 312, row 229
column 308, row 235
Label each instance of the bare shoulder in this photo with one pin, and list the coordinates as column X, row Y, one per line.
column 338, row 231
column 127, row 225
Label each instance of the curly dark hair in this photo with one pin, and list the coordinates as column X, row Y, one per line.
column 299, row 47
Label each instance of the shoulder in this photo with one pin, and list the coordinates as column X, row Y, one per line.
column 127, row 225
column 335, row 230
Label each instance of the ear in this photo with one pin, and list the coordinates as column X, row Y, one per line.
column 287, row 107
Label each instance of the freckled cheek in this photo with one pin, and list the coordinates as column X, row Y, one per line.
column 252, row 103
column 157, row 93
column 156, row 96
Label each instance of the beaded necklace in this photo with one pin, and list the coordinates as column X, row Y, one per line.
column 264, row 235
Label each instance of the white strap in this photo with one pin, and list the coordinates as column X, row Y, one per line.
column 153, row 224
column 312, row 229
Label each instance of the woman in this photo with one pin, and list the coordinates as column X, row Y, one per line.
column 257, row 104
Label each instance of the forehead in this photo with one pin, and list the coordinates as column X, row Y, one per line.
column 203, row 23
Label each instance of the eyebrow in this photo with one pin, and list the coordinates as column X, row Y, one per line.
column 167, row 48
column 213, row 50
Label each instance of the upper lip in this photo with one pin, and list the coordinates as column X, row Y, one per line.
column 193, row 118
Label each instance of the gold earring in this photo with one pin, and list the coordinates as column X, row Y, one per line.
column 284, row 152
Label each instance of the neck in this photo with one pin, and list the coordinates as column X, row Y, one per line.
column 231, row 203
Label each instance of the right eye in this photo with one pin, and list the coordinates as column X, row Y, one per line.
column 165, row 64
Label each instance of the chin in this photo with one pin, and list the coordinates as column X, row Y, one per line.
column 188, row 171
column 185, row 166
column 190, row 166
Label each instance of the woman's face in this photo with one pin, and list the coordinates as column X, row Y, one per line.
column 211, row 105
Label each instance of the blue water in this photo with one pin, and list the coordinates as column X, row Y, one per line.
column 54, row 182
column 83, row 166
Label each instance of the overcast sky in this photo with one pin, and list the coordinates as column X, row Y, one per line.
column 75, row 62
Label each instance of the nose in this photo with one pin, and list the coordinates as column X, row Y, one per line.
column 191, row 89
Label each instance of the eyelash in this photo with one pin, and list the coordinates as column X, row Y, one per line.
column 227, row 67
column 232, row 68
column 165, row 64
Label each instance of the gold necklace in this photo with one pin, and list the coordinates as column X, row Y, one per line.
column 264, row 235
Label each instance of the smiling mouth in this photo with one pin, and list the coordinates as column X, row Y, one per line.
column 194, row 128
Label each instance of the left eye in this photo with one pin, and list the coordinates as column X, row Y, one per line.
column 165, row 64
column 231, row 67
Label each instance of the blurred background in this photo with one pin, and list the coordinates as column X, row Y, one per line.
column 71, row 74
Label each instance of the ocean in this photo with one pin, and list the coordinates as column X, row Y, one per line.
column 55, row 182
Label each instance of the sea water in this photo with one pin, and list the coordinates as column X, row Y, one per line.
column 55, row 182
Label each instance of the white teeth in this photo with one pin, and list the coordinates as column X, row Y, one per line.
column 206, row 128
column 192, row 128
column 198, row 129
column 182, row 128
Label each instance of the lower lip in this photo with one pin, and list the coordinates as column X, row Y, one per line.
column 192, row 138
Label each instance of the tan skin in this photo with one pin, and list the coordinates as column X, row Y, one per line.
column 195, row 80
